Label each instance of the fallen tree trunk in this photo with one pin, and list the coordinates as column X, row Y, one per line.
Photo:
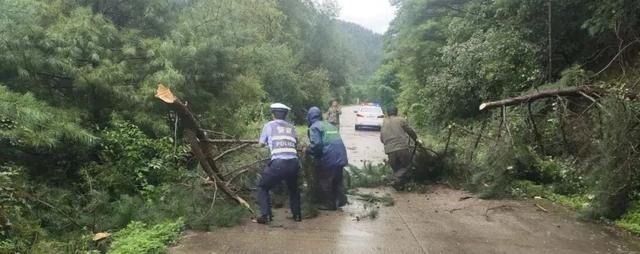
column 567, row 91
column 197, row 140
column 232, row 141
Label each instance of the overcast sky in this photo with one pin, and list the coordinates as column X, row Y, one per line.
column 372, row 14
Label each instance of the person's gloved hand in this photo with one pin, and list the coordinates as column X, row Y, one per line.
column 419, row 142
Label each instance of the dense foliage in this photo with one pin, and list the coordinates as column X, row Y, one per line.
column 85, row 146
column 140, row 238
column 444, row 57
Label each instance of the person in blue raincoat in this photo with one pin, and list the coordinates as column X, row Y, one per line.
column 281, row 138
column 327, row 148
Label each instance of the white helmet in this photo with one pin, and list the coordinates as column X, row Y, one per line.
column 279, row 107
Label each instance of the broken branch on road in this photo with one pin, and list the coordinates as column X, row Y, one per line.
column 542, row 208
column 465, row 198
column 500, row 207
column 454, row 209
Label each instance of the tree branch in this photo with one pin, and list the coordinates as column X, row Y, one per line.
column 566, row 91
column 222, row 154
column 219, row 133
column 243, row 169
column 200, row 149
column 616, row 57
column 69, row 218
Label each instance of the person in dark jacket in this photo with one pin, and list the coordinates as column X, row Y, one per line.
column 395, row 134
column 327, row 148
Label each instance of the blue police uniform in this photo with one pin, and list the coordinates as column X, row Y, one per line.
column 281, row 138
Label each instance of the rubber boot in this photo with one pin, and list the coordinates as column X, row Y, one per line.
column 263, row 220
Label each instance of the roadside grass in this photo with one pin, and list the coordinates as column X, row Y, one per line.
column 139, row 237
column 528, row 189
column 631, row 220
column 577, row 202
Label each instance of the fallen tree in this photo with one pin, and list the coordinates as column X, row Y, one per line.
column 231, row 141
column 586, row 91
column 197, row 139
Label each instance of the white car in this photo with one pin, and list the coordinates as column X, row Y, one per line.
column 369, row 117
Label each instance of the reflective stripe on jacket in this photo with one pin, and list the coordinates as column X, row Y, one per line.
column 281, row 138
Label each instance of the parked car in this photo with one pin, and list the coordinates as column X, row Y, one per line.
column 369, row 116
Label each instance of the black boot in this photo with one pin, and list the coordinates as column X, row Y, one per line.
column 297, row 217
column 342, row 200
column 263, row 219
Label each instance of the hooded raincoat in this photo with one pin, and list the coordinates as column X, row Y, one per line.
column 325, row 142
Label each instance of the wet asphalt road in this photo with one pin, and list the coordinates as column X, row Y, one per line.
column 440, row 221
column 363, row 145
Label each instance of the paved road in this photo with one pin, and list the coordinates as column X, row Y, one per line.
column 435, row 222
column 363, row 145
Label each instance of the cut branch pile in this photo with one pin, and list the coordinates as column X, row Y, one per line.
column 201, row 147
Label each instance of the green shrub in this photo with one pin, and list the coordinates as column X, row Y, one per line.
column 19, row 225
column 616, row 170
column 562, row 176
column 309, row 186
column 75, row 244
column 504, row 166
column 500, row 167
column 134, row 162
column 631, row 220
column 193, row 204
column 137, row 237
column 227, row 215
column 528, row 189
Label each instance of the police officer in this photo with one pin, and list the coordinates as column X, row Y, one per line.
column 281, row 138
column 331, row 157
